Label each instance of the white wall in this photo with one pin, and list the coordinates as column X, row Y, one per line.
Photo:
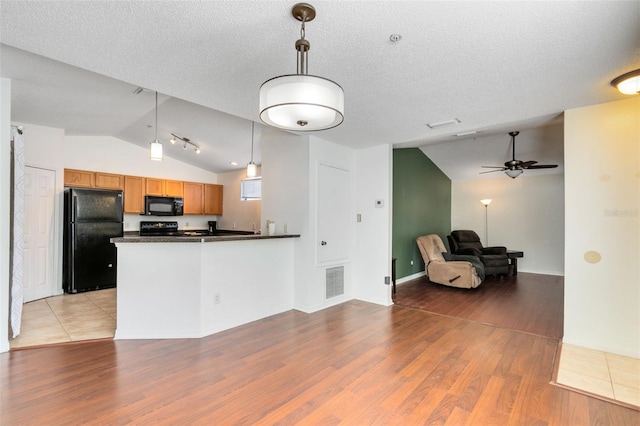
column 527, row 213
column 238, row 214
column 5, row 220
column 43, row 148
column 372, row 253
column 113, row 155
column 602, row 188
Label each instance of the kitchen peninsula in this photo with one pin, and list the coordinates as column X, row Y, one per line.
column 194, row 286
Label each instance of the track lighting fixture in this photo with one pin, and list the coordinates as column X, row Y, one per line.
column 186, row 142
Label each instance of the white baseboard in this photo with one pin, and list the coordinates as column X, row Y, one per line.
column 403, row 280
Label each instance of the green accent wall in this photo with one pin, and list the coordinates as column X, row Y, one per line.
column 421, row 206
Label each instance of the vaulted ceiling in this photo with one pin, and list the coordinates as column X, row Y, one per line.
column 495, row 66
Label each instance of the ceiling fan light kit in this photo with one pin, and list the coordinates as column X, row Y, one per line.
column 514, row 168
column 628, row 83
column 301, row 102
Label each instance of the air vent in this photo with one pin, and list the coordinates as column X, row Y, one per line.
column 335, row 282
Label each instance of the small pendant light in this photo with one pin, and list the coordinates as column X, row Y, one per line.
column 252, row 169
column 155, row 146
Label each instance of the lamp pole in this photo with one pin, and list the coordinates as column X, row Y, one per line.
column 486, row 203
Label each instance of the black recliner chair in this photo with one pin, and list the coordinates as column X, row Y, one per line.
column 494, row 259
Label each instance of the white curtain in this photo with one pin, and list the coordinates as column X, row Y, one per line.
column 17, row 289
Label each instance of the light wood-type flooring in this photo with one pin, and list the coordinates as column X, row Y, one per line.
column 353, row 364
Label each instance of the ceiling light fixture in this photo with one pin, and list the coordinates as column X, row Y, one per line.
column 187, row 141
column 513, row 173
column 155, row 146
column 252, row 169
column 302, row 102
column 628, row 83
column 443, row 123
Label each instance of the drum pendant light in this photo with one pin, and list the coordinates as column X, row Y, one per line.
column 302, row 102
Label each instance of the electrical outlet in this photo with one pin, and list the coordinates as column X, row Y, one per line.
column 186, row 224
column 387, row 280
column 216, row 299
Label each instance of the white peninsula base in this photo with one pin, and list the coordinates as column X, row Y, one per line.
column 194, row 289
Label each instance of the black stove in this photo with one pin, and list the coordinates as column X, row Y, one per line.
column 159, row 229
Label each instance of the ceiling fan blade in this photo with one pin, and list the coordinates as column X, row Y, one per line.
column 543, row 166
column 491, row 171
column 527, row 164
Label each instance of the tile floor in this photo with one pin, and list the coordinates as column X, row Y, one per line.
column 601, row 373
column 68, row 318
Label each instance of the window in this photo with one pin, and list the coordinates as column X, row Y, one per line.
column 251, row 189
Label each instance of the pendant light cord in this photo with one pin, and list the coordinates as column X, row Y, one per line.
column 156, row 116
column 252, row 132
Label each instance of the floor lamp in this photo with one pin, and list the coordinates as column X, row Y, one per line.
column 486, row 203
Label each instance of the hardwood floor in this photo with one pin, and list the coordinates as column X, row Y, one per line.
column 532, row 303
column 355, row 363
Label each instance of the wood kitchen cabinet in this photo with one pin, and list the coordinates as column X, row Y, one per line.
column 79, row 178
column 212, row 199
column 134, row 187
column 193, row 198
column 109, row 181
column 199, row 198
column 174, row 188
column 164, row 187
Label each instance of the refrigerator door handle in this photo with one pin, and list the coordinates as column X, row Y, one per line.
column 72, row 257
column 74, row 208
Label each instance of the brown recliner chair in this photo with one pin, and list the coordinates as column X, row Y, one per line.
column 455, row 273
column 494, row 259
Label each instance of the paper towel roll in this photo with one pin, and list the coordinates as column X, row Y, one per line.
column 272, row 228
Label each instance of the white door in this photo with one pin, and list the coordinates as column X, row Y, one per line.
column 334, row 232
column 39, row 196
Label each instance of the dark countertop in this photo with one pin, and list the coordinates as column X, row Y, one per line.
column 135, row 238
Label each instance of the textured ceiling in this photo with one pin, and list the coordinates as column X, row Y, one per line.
column 496, row 66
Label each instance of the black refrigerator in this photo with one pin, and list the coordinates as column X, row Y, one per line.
column 91, row 218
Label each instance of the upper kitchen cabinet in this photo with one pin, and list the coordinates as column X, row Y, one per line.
column 79, row 178
column 134, row 187
column 174, row 188
column 212, row 199
column 193, row 198
column 109, row 181
column 163, row 187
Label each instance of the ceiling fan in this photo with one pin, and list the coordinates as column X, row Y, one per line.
column 514, row 168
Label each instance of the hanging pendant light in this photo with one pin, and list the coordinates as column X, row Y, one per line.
column 156, row 146
column 302, row 102
column 252, row 169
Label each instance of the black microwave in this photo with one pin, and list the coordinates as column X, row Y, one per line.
column 163, row 206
